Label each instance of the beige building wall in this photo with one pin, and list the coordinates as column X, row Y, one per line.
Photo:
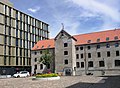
column 38, row 64
column 109, row 62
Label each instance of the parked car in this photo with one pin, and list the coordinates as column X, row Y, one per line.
column 22, row 74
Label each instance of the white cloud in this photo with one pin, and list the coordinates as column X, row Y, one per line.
column 106, row 10
column 34, row 9
column 96, row 7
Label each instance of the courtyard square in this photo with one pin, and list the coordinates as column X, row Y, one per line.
column 64, row 82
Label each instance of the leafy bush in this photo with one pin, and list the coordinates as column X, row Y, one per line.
column 46, row 75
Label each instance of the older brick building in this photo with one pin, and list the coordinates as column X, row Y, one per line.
column 96, row 53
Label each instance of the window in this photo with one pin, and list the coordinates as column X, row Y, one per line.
column 98, row 46
column 81, row 55
column 65, row 44
column 108, row 53
column 35, row 59
column 98, row 54
column 90, row 64
column 35, row 67
column 116, row 37
column 101, row 64
column 98, row 40
column 117, row 53
column 16, row 60
column 116, row 44
column 35, row 53
column 89, row 41
column 77, row 64
column 65, row 52
column 40, row 52
column 117, row 62
column 107, row 45
column 77, row 56
column 48, row 66
column 81, row 48
column 107, row 39
column 62, row 34
column 89, row 55
column 66, row 61
column 41, row 66
column 89, row 47
column 82, row 64
column 77, row 48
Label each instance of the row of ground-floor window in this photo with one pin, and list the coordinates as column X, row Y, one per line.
column 81, row 64
column 101, row 64
column 10, row 70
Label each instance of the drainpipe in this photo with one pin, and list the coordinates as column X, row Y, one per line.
column 85, row 60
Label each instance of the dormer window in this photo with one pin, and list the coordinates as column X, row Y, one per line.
column 98, row 40
column 42, row 47
column 89, row 41
column 48, row 46
column 107, row 39
column 37, row 47
column 116, row 37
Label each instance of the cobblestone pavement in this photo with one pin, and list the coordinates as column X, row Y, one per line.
column 64, row 82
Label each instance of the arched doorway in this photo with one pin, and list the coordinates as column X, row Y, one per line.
column 68, row 71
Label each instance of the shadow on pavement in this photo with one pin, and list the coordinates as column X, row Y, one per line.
column 106, row 82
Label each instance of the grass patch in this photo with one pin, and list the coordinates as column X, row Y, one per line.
column 47, row 75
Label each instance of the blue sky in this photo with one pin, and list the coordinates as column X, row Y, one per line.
column 78, row 16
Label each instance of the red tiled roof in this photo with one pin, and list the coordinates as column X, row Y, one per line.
column 44, row 44
column 83, row 38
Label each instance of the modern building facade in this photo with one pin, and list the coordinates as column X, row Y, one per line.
column 18, row 34
column 96, row 53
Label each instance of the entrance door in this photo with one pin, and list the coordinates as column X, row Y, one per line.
column 68, row 72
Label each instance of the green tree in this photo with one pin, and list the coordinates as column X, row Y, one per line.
column 46, row 58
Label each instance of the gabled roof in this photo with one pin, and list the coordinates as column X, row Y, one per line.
column 63, row 31
column 84, row 39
